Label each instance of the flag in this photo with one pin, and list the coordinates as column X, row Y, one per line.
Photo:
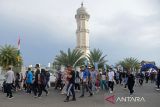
column 18, row 52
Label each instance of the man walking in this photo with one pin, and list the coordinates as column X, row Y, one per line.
column 37, row 82
column 141, row 78
column 85, row 79
column 71, row 84
column 9, row 81
column 111, row 80
column 93, row 78
column 104, row 81
column 158, row 80
column 131, row 82
column 47, row 78
column 29, row 80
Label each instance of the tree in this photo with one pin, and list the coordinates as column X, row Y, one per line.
column 8, row 57
column 130, row 64
column 69, row 57
column 96, row 56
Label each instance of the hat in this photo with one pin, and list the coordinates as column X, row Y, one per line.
column 82, row 66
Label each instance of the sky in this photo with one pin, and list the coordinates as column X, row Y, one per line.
column 120, row 28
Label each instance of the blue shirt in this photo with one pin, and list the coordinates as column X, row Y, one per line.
column 86, row 74
column 29, row 77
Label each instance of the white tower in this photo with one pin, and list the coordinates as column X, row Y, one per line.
column 82, row 18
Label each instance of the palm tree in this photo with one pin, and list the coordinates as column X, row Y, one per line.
column 69, row 58
column 96, row 56
column 130, row 63
column 8, row 56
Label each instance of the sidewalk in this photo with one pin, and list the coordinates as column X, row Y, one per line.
column 54, row 99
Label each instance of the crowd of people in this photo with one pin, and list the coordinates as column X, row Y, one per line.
column 32, row 82
column 88, row 79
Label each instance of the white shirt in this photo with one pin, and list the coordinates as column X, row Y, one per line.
column 111, row 76
column 103, row 77
column 81, row 75
column 10, row 77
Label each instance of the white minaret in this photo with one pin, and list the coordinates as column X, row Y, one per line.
column 82, row 18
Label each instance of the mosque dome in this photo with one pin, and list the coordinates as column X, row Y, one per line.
column 82, row 10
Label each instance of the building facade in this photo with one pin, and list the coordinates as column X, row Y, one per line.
column 82, row 32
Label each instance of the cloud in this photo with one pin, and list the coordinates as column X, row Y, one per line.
column 121, row 28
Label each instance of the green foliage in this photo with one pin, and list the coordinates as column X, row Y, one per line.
column 130, row 63
column 8, row 57
column 96, row 55
column 77, row 57
column 69, row 57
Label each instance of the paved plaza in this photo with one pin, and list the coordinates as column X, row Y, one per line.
column 54, row 99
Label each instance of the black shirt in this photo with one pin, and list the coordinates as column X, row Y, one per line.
column 36, row 75
column 72, row 79
column 158, row 77
column 131, row 80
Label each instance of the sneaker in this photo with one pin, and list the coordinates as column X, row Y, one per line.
column 111, row 92
column 35, row 96
column 11, row 97
column 90, row 95
column 73, row 99
column 97, row 91
column 158, row 89
column 62, row 93
column 81, row 96
column 47, row 93
column 131, row 95
column 39, row 97
column 66, row 100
